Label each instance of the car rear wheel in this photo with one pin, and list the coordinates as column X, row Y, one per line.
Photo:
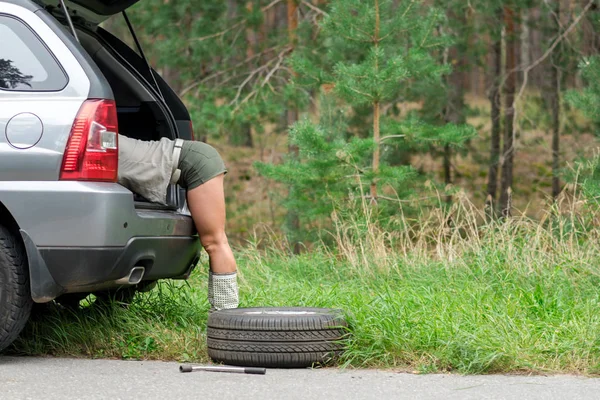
column 289, row 337
column 15, row 294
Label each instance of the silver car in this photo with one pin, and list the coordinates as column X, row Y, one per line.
column 67, row 229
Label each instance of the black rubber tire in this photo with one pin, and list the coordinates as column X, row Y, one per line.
column 288, row 337
column 15, row 293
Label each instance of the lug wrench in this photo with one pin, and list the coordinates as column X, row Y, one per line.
column 239, row 370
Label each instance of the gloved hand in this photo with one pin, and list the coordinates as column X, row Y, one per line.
column 222, row 291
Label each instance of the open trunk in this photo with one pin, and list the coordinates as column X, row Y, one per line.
column 142, row 113
column 147, row 108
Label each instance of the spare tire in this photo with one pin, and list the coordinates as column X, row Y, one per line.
column 290, row 337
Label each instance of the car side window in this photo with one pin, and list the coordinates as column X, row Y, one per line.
column 26, row 64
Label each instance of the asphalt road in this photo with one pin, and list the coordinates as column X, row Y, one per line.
column 53, row 378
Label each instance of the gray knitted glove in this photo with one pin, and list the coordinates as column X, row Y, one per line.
column 222, row 291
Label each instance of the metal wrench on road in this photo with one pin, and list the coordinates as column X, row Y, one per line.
column 239, row 370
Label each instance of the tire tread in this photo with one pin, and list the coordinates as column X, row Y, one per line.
column 239, row 337
column 14, row 282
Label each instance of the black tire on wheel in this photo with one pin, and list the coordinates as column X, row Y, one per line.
column 289, row 337
column 15, row 293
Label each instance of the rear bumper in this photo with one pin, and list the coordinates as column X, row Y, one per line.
column 86, row 268
column 87, row 236
column 58, row 270
column 86, row 214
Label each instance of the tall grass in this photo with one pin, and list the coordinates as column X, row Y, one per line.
column 449, row 292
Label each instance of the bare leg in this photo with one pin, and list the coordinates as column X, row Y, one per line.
column 207, row 205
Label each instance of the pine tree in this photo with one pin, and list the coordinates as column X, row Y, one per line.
column 11, row 76
column 376, row 54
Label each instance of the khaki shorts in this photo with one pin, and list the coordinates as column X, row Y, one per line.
column 199, row 163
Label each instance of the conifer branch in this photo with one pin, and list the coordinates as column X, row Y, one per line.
column 429, row 30
column 367, row 34
column 357, row 40
column 315, row 8
column 277, row 66
column 232, row 27
column 224, row 71
column 280, row 59
column 387, row 35
column 248, row 79
column 370, row 96
column 408, row 8
column 390, row 137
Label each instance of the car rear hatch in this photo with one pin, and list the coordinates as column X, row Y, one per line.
column 93, row 11
column 88, row 14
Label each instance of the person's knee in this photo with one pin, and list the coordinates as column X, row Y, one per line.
column 214, row 242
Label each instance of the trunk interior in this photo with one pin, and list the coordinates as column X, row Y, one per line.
column 139, row 114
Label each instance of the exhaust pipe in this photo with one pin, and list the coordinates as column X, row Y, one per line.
column 133, row 278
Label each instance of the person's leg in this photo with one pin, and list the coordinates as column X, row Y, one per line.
column 200, row 171
column 207, row 205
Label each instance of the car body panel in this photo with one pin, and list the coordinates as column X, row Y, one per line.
column 79, row 236
column 56, row 110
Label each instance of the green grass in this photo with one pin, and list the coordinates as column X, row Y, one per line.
column 519, row 296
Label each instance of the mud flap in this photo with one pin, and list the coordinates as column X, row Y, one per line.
column 43, row 286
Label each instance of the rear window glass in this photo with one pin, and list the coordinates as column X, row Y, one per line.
column 25, row 62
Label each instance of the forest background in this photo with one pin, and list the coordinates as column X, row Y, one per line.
column 428, row 166
column 469, row 97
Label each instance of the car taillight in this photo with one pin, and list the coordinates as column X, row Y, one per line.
column 92, row 150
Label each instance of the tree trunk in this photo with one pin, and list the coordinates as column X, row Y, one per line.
column 376, row 113
column 448, row 170
column 495, row 104
column 292, row 117
column 555, row 102
column 454, row 109
column 524, row 39
column 292, row 18
column 509, row 112
column 376, row 155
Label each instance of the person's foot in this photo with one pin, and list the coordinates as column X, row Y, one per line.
column 222, row 291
